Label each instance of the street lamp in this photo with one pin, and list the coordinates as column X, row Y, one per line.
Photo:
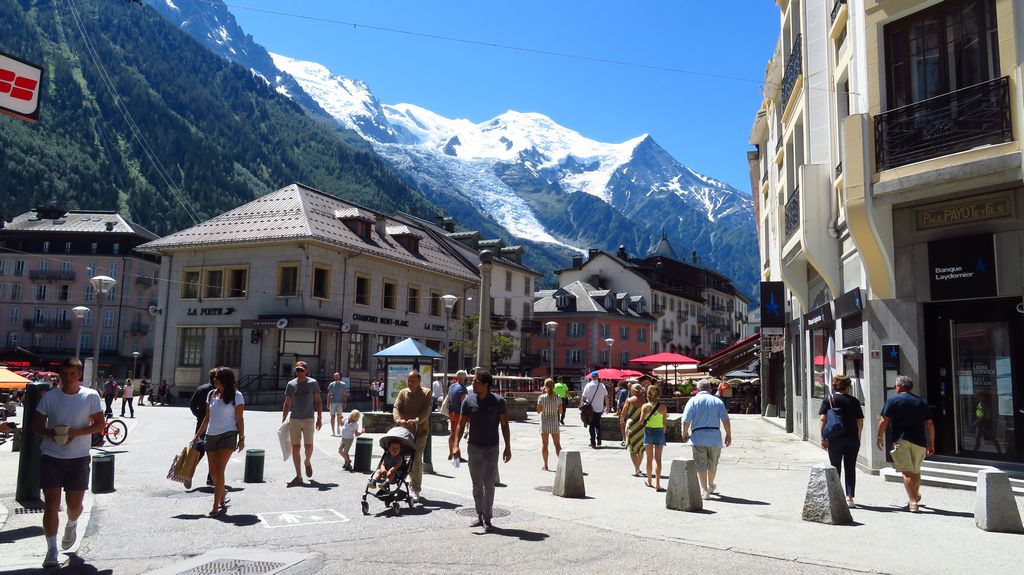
column 449, row 304
column 102, row 284
column 79, row 311
column 552, row 326
column 610, row 343
column 135, row 362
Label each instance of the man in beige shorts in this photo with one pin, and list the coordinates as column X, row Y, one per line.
column 913, row 434
column 301, row 396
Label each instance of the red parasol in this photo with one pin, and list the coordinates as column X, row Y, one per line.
column 607, row 373
column 664, row 358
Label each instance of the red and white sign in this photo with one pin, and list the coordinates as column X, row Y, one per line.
column 20, row 85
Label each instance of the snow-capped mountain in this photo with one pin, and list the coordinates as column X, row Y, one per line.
column 540, row 181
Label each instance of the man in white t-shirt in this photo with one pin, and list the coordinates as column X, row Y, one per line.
column 66, row 418
column 596, row 395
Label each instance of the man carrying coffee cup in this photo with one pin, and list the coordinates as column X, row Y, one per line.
column 66, row 419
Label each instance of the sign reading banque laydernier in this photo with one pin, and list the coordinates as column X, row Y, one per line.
column 20, row 86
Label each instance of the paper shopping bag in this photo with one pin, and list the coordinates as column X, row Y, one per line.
column 285, row 438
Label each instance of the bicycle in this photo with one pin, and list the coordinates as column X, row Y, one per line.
column 115, row 432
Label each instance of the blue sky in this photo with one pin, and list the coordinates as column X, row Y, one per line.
column 703, row 121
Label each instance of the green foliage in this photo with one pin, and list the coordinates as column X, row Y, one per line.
column 222, row 134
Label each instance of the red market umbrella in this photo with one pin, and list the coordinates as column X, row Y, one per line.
column 11, row 380
column 607, row 373
column 663, row 358
column 627, row 373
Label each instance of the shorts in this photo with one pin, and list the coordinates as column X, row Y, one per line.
column 654, row 436
column 907, row 457
column 301, row 428
column 346, row 445
column 705, row 457
column 336, row 408
column 227, row 440
column 67, row 474
column 455, row 418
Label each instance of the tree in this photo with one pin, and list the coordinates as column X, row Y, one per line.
column 503, row 345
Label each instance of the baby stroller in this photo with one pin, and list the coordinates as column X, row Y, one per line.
column 392, row 494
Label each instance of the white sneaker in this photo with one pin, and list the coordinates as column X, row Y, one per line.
column 52, row 558
column 712, row 488
column 70, row 534
column 705, row 495
column 415, row 497
column 850, row 503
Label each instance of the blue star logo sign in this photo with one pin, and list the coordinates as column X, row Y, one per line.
column 772, row 307
column 893, row 353
column 980, row 266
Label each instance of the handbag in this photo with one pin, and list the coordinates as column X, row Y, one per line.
column 186, row 462
column 586, row 409
column 445, row 408
column 834, row 426
column 284, row 438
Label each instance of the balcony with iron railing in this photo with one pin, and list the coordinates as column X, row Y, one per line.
column 139, row 328
column 46, row 325
column 682, row 315
column 694, row 340
column 954, row 122
column 794, row 69
column 144, row 280
column 666, row 335
column 792, row 213
column 51, row 275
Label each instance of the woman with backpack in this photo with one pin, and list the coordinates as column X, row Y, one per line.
column 841, row 437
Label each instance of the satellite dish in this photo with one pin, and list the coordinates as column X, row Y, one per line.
column 154, row 311
column 346, row 327
column 282, row 323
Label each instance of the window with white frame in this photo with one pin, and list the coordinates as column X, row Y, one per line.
column 85, row 340
column 575, row 356
column 14, row 315
column 108, row 318
column 106, row 342
column 577, row 329
column 624, row 333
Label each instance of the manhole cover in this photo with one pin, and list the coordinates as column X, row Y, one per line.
column 545, row 488
column 495, row 512
column 233, row 567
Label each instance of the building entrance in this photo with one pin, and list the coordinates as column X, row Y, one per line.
column 974, row 360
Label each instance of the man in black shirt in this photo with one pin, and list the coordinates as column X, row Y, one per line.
column 197, row 405
column 483, row 411
column 913, row 435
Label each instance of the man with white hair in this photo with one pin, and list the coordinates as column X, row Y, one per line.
column 913, row 435
column 703, row 415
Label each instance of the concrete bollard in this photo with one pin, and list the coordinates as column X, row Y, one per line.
column 254, row 465
column 364, row 455
column 683, row 487
column 569, row 477
column 995, row 508
column 825, row 501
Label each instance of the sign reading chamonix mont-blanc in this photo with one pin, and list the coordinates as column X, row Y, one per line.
column 20, row 86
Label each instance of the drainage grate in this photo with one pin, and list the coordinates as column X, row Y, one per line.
column 27, row 510
column 545, row 488
column 233, row 567
column 471, row 512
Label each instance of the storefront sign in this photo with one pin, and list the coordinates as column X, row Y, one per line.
column 773, row 305
column 210, row 311
column 433, row 327
column 973, row 210
column 961, row 268
column 382, row 320
column 849, row 303
column 818, row 317
column 20, row 87
column 891, row 358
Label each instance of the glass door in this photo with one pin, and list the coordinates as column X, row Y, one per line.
column 983, row 390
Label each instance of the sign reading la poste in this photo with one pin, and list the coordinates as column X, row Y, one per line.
column 20, row 86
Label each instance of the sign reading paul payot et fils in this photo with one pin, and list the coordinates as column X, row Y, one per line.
column 961, row 268
column 20, row 87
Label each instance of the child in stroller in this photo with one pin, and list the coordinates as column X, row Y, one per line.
column 389, row 482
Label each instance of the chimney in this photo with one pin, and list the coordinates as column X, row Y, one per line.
column 110, row 226
column 577, row 261
column 693, row 257
column 622, row 252
column 381, row 226
column 448, row 224
column 440, row 220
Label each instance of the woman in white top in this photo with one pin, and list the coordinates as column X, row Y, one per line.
column 224, row 427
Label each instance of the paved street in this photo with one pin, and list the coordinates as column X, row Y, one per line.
column 754, row 527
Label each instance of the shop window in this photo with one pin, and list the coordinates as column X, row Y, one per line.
column 321, row 282
column 191, row 347
column 189, row 285
column 822, row 363
column 389, row 295
column 362, row 294
column 229, row 346
column 287, row 280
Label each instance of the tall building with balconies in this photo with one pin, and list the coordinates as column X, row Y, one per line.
column 888, row 165
column 47, row 258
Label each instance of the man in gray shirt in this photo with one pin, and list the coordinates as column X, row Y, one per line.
column 300, row 397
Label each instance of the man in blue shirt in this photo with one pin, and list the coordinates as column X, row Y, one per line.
column 913, row 435
column 704, row 413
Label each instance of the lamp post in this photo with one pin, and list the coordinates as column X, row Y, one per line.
column 610, row 343
column 552, row 326
column 135, row 362
column 449, row 304
column 483, row 342
column 102, row 284
column 79, row 312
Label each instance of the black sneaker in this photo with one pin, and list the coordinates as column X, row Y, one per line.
column 347, row 467
column 478, row 523
column 487, row 526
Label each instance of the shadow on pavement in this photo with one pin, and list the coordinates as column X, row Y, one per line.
column 875, row 509
column 313, row 484
column 75, row 566
column 209, row 489
column 521, row 534
column 739, row 500
column 20, row 533
column 244, row 520
column 944, row 512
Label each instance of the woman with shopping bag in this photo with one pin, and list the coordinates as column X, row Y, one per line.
column 224, row 427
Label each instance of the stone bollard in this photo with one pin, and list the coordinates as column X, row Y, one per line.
column 569, row 477
column 683, row 487
column 825, row 501
column 995, row 508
